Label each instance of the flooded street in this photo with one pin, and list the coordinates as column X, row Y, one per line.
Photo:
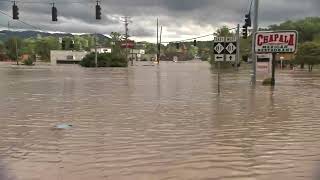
column 157, row 123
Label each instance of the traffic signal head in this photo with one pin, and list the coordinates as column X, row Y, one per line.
column 15, row 11
column 195, row 43
column 98, row 12
column 54, row 14
column 245, row 32
column 248, row 20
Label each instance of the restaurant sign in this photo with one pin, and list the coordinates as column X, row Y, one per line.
column 276, row 42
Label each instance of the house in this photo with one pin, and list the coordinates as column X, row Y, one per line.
column 102, row 50
column 66, row 57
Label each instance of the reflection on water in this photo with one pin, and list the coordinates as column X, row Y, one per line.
column 157, row 123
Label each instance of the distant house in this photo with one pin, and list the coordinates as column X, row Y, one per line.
column 66, row 57
column 102, row 50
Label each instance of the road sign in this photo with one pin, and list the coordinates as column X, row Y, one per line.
column 231, row 46
column 219, row 49
column 231, row 39
column 230, row 57
column 276, row 42
column 219, row 57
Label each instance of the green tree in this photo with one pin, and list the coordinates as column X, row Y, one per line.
column 13, row 46
column 308, row 28
column 308, row 53
column 116, row 39
column 223, row 32
column 151, row 48
column 45, row 45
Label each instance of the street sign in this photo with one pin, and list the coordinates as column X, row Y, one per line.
column 230, row 57
column 231, row 49
column 219, row 49
column 276, row 42
column 219, row 57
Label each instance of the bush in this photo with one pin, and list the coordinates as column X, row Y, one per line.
column 104, row 60
column 267, row 82
column 28, row 62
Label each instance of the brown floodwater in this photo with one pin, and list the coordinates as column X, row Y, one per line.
column 163, row 122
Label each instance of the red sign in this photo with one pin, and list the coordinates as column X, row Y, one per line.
column 276, row 42
column 129, row 44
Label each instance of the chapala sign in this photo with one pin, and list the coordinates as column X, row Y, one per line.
column 276, row 42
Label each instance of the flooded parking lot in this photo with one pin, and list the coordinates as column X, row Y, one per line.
column 163, row 122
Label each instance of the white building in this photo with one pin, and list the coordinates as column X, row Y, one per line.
column 102, row 50
column 66, row 57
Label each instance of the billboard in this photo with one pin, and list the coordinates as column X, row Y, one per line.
column 276, row 42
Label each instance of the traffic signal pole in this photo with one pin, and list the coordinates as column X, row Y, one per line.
column 238, row 48
column 255, row 29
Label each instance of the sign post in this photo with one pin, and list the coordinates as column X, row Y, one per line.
column 219, row 56
column 275, row 42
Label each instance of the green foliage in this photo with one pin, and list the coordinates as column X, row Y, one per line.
column 308, row 28
column 151, row 48
column 29, row 61
column 267, row 82
column 13, row 46
column 308, row 53
column 116, row 39
column 104, row 60
column 45, row 45
column 223, row 32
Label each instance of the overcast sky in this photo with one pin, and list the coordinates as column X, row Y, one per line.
column 180, row 18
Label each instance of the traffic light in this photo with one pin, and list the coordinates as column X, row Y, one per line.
column 245, row 32
column 177, row 45
column 15, row 11
column 248, row 20
column 54, row 13
column 98, row 11
column 195, row 43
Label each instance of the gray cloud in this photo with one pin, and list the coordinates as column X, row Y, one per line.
column 180, row 18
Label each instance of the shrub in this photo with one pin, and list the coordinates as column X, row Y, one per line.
column 28, row 62
column 104, row 60
column 267, row 82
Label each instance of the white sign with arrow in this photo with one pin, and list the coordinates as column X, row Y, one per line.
column 219, row 49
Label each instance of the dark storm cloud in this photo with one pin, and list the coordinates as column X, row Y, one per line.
column 190, row 17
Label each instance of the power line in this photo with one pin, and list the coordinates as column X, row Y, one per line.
column 41, row 2
column 35, row 27
column 198, row 37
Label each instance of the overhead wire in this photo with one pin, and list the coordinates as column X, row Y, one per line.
column 33, row 26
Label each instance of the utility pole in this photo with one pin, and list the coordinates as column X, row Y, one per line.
column 17, row 56
column 159, row 46
column 158, row 40
column 238, row 48
column 95, row 50
column 255, row 29
column 126, row 24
